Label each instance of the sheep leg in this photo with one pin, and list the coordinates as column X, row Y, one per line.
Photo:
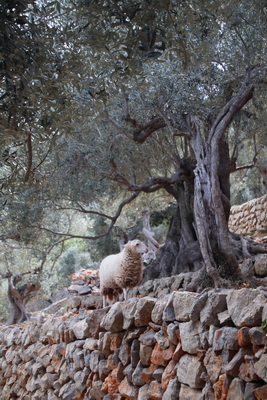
column 125, row 293
column 104, row 301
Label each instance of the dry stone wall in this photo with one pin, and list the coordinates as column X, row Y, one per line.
column 249, row 217
column 182, row 345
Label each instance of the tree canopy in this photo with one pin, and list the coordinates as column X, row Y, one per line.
column 106, row 103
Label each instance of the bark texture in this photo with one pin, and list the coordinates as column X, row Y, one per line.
column 198, row 236
column 18, row 298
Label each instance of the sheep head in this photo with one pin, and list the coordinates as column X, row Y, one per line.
column 137, row 245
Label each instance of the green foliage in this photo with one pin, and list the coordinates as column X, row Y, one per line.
column 72, row 73
column 264, row 326
column 164, row 216
column 71, row 260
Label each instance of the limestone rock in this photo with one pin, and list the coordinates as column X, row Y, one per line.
column 113, row 320
column 95, row 357
column 198, row 304
column 128, row 312
column 145, row 354
column 172, row 391
column 249, row 388
column 134, row 353
column 260, row 265
column 213, row 364
column 208, row 392
column 261, row 367
column 81, row 329
column 189, row 371
column 264, row 312
column 188, row 393
column 157, row 374
column 148, row 337
column 136, row 376
column 216, row 303
column 168, row 374
column 156, row 356
column 173, row 332
column 260, row 392
column 84, row 289
column 128, row 390
column 143, row 311
column 194, row 336
column 96, row 392
column 245, row 306
column 236, row 389
column 94, row 320
column 162, row 339
column 257, row 336
column 143, row 392
column 247, row 369
column 182, row 304
column 112, row 382
column 148, row 372
column 80, row 379
column 224, row 317
column 104, row 343
column 232, row 368
column 124, row 353
column 225, row 338
column 157, row 312
column 154, row 391
column 102, row 370
column 243, row 337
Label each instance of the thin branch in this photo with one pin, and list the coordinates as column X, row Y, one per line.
column 168, row 123
column 134, row 123
column 44, row 157
column 120, row 128
column 29, row 165
column 241, row 38
column 58, row 255
column 249, row 166
column 68, row 236
column 84, row 211
column 117, row 177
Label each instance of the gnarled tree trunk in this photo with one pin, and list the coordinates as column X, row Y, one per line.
column 181, row 251
column 198, row 236
column 18, row 298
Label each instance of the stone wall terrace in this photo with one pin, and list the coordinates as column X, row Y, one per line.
column 249, row 217
column 182, row 345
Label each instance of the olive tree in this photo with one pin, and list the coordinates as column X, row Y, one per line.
column 176, row 80
column 138, row 98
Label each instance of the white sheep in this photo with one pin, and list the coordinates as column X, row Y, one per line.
column 119, row 272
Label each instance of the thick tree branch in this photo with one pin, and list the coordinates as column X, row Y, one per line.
column 146, row 130
column 236, row 103
column 157, row 182
column 229, row 111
